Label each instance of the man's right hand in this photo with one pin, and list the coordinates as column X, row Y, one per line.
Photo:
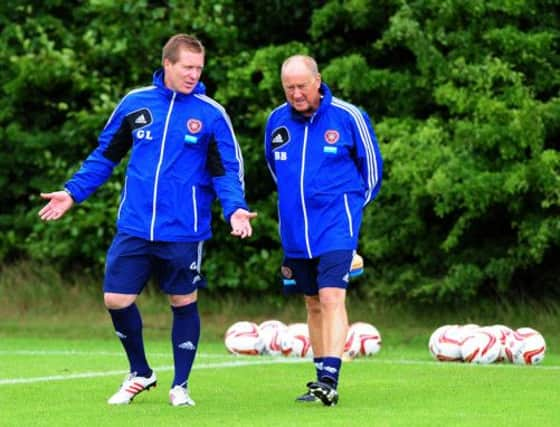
column 59, row 203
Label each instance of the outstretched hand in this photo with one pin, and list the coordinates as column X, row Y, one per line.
column 240, row 222
column 59, row 203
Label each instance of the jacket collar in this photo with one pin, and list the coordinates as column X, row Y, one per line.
column 159, row 82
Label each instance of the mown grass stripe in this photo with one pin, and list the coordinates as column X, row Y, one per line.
column 232, row 364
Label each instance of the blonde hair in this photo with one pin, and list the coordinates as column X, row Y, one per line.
column 176, row 43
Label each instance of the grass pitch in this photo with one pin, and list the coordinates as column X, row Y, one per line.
column 60, row 361
column 66, row 382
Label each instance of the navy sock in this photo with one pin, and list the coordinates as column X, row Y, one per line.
column 128, row 327
column 184, row 337
column 331, row 370
column 318, row 362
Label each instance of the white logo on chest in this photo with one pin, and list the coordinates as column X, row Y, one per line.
column 280, row 155
column 144, row 134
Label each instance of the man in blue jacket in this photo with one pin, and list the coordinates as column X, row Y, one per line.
column 183, row 154
column 324, row 157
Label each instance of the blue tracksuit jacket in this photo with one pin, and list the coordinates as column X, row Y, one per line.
column 183, row 152
column 327, row 167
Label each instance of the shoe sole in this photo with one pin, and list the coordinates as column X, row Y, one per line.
column 321, row 395
column 315, row 400
column 182, row 404
column 147, row 388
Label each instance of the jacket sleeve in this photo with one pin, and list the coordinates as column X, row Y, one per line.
column 225, row 164
column 368, row 155
column 114, row 142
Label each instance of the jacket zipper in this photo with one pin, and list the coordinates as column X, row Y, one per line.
column 195, row 209
column 301, row 187
column 156, row 181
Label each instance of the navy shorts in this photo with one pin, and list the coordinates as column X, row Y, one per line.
column 132, row 261
column 308, row 275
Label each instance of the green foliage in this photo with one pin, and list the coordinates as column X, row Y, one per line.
column 463, row 96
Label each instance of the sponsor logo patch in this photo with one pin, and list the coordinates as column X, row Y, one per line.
column 330, row 150
column 280, row 136
column 189, row 139
column 187, row 345
column 140, row 118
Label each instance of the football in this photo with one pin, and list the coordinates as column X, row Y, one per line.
column 449, row 343
column 513, row 347
column 532, row 348
column 270, row 332
column 480, row 346
column 295, row 341
column 357, row 267
column 445, row 343
column 502, row 332
column 243, row 338
column 433, row 340
column 363, row 339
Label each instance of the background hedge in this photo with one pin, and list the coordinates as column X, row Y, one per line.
column 464, row 96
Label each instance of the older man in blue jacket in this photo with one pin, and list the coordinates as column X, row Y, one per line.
column 324, row 157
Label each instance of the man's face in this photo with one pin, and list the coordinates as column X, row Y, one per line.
column 301, row 88
column 183, row 75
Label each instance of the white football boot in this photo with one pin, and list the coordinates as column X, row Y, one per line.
column 179, row 396
column 131, row 387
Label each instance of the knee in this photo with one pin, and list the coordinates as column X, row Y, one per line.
column 332, row 300
column 182, row 300
column 117, row 301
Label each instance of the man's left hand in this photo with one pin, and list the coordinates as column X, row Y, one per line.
column 240, row 222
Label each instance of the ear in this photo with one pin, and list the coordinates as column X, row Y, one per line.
column 318, row 80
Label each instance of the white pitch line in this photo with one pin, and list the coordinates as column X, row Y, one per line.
column 240, row 363
column 233, row 364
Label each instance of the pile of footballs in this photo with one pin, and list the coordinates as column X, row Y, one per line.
column 275, row 338
column 472, row 343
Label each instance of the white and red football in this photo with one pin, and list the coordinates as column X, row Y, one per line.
column 480, row 346
column 243, row 338
column 532, row 348
column 445, row 342
column 270, row 333
column 363, row 339
column 295, row 341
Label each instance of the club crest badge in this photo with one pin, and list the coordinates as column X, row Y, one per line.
column 332, row 136
column 194, row 125
column 286, row 272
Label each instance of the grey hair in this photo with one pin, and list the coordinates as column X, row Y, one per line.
column 309, row 62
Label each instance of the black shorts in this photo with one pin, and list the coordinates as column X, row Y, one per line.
column 308, row 275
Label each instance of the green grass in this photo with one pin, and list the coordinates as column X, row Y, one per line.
column 60, row 361
column 40, row 385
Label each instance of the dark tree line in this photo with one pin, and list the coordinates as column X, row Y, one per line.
column 464, row 97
